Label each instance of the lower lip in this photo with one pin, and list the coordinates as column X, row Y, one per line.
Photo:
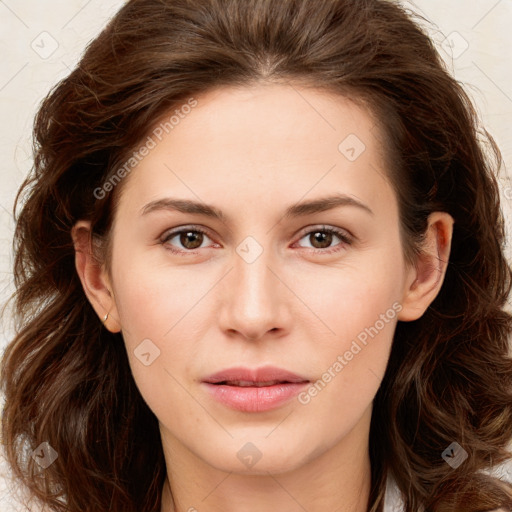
column 255, row 399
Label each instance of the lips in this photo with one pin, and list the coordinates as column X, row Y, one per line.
column 254, row 391
column 258, row 377
column 247, row 383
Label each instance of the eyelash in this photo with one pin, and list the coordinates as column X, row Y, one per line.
column 342, row 235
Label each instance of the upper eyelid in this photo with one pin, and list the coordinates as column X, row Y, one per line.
column 176, row 231
column 324, row 227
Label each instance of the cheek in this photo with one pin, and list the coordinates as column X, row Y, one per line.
column 351, row 371
column 154, row 300
column 159, row 309
column 361, row 311
column 352, row 299
column 364, row 323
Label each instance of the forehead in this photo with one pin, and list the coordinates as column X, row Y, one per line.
column 283, row 139
column 272, row 113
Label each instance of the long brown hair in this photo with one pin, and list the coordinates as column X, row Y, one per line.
column 67, row 380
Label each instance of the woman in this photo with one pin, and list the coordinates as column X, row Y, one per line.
column 259, row 267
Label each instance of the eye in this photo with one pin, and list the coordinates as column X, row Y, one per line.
column 321, row 239
column 190, row 238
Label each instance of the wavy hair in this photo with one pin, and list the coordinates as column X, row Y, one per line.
column 67, row 380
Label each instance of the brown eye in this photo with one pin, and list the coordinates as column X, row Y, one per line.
column 320, row 239
column 191, row 239
column 323, row 239
column 184, row 240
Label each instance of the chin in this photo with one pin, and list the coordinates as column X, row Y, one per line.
column 259, row 456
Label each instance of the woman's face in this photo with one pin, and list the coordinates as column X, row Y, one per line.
column 301, row 268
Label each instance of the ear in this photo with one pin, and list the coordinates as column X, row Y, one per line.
column 94, row 277
column 425, row 278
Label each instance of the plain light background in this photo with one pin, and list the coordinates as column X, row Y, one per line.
column 41, row 41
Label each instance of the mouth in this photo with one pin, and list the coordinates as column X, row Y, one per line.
column 257, row 390
column 255, row 384
column 257, row 377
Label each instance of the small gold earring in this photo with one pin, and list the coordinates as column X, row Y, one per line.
column 104, row 318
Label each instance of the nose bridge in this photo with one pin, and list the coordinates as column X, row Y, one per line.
column 254, row 302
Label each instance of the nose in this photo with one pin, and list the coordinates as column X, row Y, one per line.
column 254, row 299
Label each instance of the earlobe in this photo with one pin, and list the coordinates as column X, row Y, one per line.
column 425, row 279
column 94, row 278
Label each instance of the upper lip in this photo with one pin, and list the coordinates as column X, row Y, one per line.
column 263, row 374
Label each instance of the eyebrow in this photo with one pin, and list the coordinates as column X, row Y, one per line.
column 304, row 208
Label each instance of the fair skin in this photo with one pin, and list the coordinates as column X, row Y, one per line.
column 252, row 152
